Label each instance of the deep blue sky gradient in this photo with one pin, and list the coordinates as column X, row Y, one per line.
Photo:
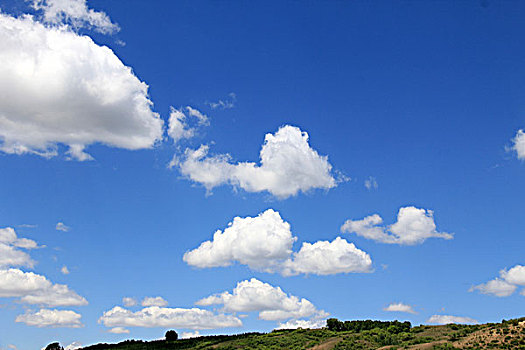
column 423, row 96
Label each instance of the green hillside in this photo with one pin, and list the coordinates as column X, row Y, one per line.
column 362, row 335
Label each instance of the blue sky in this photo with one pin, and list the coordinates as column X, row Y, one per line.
column 107, row 109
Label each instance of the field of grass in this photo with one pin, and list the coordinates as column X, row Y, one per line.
column 505, row 335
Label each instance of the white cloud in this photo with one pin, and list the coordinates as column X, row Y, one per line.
column 10, row 254
column 201, row 117
column 227, row 103
column 75, row 13
column 80, row 94
column 8, row 236
column 371, row 183
column 128, row 302
column 505, row 285
column 51, row 318
column 62, row 227
column 328, row 258
column 287, row 165
column 16, row 283
column 56, row 295
column 154, row 301
column 264, row 243
column 304, row 324
column 515, row 275
column 519, row 144
column 119, row 330
column 64, row 270
column 187, row 335
column 155, row 316
column 27, row 225
column 73, row 346
column 496, row 287
column 413, row 226
column 271, row 302
column 447, row 319
column 400, row 307
column 184, row 125
column 32, row 288
column 523, row 292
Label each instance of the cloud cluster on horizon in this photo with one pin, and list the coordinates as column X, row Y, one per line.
column 264, row 243
column 448, row 319
column 304, row 324
column 271, row 302
column 156, row 316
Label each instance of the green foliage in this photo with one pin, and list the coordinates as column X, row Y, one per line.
column 171, row 335
column 338, row 335
column 54, row 346
column 394, row 327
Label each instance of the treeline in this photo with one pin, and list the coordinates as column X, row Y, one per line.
column 190, row 343
column 394, row 327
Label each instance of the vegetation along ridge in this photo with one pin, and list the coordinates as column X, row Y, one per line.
column 346, row 335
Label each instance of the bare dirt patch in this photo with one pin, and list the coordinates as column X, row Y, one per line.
column 327, row 345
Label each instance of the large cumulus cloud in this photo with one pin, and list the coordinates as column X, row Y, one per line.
column 288, row 165
column 59, row 87
column 271, row 302
column 264, row 243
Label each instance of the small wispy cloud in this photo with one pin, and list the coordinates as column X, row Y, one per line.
column 154, row 301
column 62, row 227
column 27, row 226
column 184, row 122
column 448, row 319
column 118, row 330
column 75, row 13
column 400, row 307
column 128, row 301
column 371, row 183
column 518, row 145
column 227, row 103
column 187, row 335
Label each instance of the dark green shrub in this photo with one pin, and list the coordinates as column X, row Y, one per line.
column 171, row 335
column 54, row 346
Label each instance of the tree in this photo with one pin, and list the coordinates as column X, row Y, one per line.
column 171, row 335
column 54, row 346
column 334, row 324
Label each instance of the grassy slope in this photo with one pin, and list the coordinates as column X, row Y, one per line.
column 505, row 335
